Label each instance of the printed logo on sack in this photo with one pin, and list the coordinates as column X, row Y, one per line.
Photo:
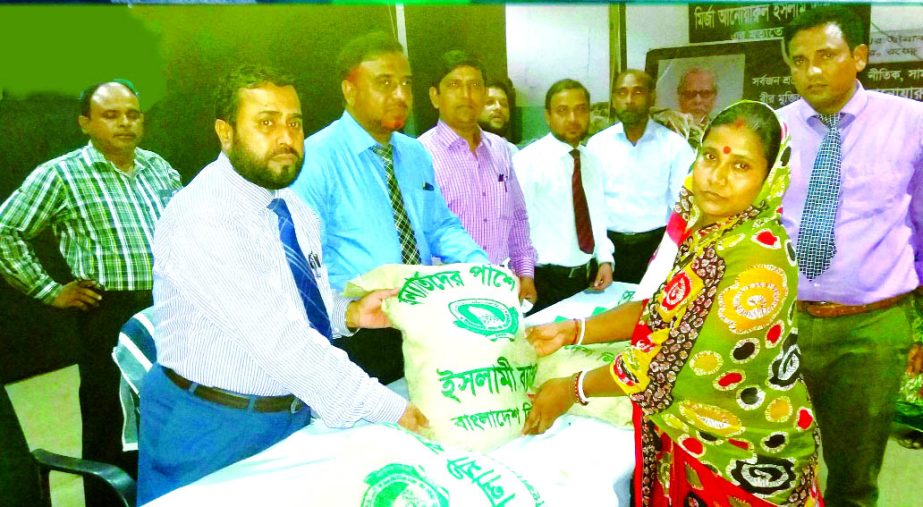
column 399, row 485
column 486, row 317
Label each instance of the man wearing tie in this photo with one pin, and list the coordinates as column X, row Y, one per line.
column 244, row 320
column 855, row 212
column 374, row 189
column 563, row 187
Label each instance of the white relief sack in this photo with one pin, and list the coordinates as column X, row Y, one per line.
column 466, row 360
column 385, row 465
column 571, row 359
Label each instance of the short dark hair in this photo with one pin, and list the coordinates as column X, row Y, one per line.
column 227, row 96
column 760, row 119
column 637, row 73
column 565, row 84
column 364, row 48
column 503, row 83
column 86, row 96
column 451, row 60
column 843, row 17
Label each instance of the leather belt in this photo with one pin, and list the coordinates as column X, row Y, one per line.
column 825, row 309
column 637, row 237
column 260, row 403
column 582, row 271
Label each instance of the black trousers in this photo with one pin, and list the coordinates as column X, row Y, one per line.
column 556, row 283
column 377, row 351
column 19, row 483
column 100, row 409
column 633, row 253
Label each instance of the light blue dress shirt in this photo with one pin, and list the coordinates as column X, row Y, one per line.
column 343, row 180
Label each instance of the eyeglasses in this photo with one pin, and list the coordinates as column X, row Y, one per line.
column 691, row 94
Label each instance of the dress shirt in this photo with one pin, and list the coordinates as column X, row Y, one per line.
column 228, row 313
column 879, row 221
column 642, row 180
column 545, row 169
column 343, row 180
column 482, row 189
column 103, row 217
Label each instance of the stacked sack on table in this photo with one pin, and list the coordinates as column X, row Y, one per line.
column 574, row 358
column 466, row 360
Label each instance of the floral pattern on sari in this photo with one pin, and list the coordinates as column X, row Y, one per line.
column 721, row 414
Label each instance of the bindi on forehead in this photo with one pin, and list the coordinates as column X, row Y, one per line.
column 726, row 149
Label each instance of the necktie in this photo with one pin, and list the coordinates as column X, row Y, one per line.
column 816, row 241
column 581, row 211
column 301, row 271
column 409, row 253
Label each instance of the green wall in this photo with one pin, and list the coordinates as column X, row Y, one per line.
column 175, row 55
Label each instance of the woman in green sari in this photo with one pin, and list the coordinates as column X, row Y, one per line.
column 721, row 414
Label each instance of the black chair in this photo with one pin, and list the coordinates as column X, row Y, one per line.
column 24, row 476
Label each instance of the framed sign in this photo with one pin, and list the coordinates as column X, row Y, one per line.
column 720, row 21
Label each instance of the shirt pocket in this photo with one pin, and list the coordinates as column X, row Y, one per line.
column 869, row 190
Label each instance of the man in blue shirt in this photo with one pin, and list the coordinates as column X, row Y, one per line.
column 375, row 191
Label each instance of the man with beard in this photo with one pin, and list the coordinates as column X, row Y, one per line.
column 495, row 118
column 563, row 187
column 101, row 201
column 645, row 165
column 374, row 189
column 244, row 313
column 474, row 171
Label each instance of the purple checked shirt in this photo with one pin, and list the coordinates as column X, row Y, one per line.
column 482, row 189
column 879, row 221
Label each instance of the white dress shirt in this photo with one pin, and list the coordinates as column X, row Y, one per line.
column 642, row 180
column 227, row 312
column 544, row 169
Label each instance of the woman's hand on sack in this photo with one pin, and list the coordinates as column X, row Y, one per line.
column 554, row 398
column 413, row 419
column 550, row 337
column 366, row 312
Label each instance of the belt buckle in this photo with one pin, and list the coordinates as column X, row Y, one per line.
column 295, row 406
column 582, row 269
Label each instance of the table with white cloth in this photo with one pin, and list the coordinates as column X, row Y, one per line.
column 579, row 461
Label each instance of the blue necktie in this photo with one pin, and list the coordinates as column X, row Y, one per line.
column 816, row 240
column 301, row 271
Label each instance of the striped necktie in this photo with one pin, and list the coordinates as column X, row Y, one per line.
column 409, row 252
column 581, row 211
column 816, row 238
column 301, row 271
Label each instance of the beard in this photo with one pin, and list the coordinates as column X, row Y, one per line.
column 488, row 126
column 631, row 117
column 256, row 169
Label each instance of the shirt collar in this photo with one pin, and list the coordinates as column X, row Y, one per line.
column 558, row 146
column 448, row 138
column 357, row 138
column 93, row 157
column 849, row 112
column 250, row 193
column 648, row 133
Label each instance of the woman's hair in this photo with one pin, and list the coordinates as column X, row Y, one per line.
column 760, row 119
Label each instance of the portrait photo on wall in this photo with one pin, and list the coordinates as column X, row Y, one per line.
column 751, row 70
column 700, row 86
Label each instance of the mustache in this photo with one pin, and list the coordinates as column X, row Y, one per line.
column 284, row 150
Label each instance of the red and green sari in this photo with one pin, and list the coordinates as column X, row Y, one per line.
column 722, row 417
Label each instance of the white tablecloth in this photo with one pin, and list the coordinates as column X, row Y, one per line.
column 579, row 461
